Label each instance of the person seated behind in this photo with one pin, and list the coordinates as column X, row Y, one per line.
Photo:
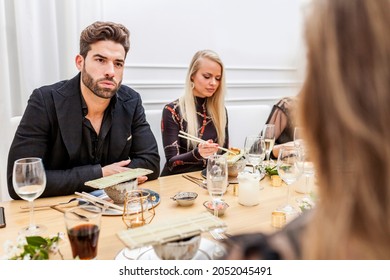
column 343, row 108
column 282, row 116
column 200, row 112
column 89, row 126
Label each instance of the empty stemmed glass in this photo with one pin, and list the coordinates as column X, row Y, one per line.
column 254, row 150
column 268, row 134
column 298, row 137
column 308, row 172
column 217, row 182
column 308, row 167
column 290, row 168
column 29, row 181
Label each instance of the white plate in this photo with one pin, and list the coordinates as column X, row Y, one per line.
column 205, row 252
column 115, row 212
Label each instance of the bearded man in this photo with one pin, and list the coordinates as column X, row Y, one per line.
column 90, row 126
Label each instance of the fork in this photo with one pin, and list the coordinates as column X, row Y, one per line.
column 50, row 205
column 218, row 234
column 197, row 179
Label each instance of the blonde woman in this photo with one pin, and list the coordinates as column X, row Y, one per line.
column 200, row 112
column 344, row 109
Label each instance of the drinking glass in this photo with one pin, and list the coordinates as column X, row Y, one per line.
column 217, row 178
column 268, row 134
column 290, row 168
column 255, row 150
column 249, row 188
column 217, row 182
column 308, row 171
column 308, row 167
column 83, row 228
column 298, row 137
column 29, row 182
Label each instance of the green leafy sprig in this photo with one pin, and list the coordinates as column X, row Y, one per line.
column 35, row 248
column 271, row 170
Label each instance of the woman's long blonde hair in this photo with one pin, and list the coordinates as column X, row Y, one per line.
column 345, row 107
column 215, row 104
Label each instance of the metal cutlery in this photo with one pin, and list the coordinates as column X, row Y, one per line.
column 63, row 211
column 51, row 205
column 197, row 181
column 218, row 234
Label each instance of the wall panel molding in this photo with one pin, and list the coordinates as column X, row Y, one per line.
column 160, row 84
column 184, row 67
column 180, row 85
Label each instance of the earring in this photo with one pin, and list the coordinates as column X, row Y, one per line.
column 192, row 85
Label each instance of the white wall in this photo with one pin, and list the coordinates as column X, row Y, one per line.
column 258, row 40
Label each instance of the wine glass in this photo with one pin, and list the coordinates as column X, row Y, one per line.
column 217, row 178
column 255, row 150
column 217, row 182
column 308, row 167
column 268, row 134
column 29, row 181
column 290, row 168
column 298, row 137
column 308, row 172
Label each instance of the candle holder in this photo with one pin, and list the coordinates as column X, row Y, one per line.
column 138, row 209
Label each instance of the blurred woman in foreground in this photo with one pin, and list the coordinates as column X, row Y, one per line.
column 344, row 108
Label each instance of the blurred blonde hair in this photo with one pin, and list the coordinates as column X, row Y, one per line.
column 215, row 104
column 345, row 108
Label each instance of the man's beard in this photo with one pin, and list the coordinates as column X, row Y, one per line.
column 93, row 86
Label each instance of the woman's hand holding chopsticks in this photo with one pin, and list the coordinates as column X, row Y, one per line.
column 207, row 148
column 190, row 137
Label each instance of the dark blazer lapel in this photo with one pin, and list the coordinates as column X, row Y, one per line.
column 66, row 99
column 120, row 128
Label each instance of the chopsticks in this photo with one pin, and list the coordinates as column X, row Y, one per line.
column 90, row 197
column 188, row 136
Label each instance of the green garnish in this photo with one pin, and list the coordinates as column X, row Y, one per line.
column 271, row 170
column 34, row 248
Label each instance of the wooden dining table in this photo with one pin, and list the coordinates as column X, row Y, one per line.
column 238, row 218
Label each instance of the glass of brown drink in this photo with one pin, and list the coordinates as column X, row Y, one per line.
column 83, row 228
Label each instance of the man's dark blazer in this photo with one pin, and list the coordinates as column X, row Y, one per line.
column 51, row 128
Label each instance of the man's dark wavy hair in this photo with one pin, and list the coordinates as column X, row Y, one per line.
column 102, row 31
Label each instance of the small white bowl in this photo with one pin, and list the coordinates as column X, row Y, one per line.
column 185, row 198
column 221, row 206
